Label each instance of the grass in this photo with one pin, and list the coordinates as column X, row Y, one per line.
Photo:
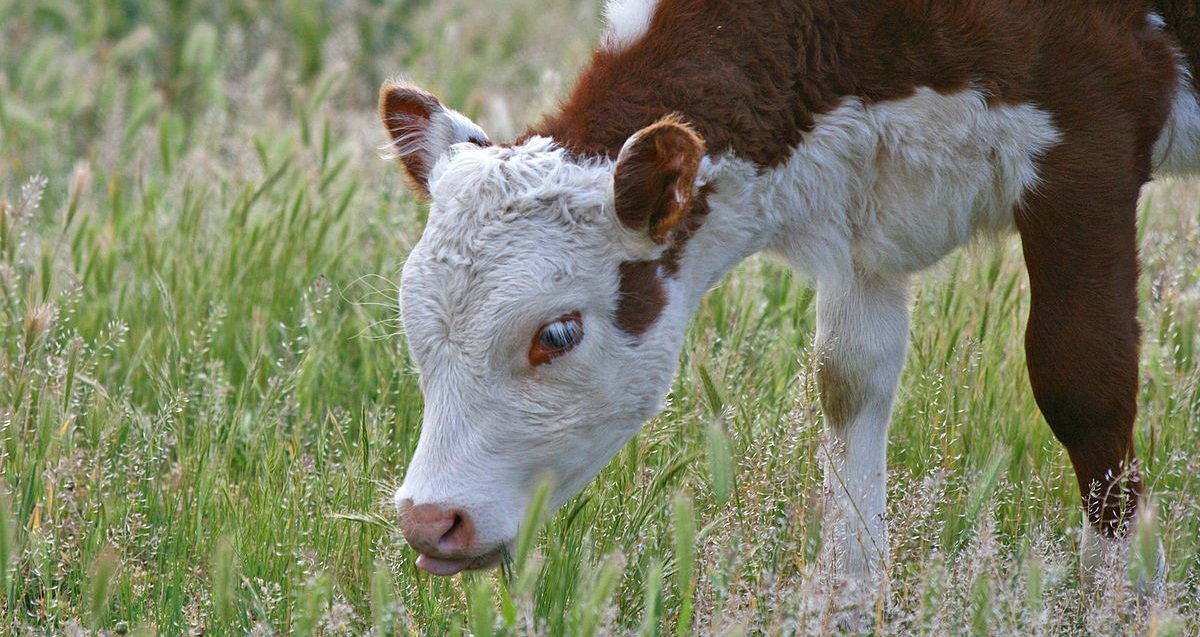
column 204, row 400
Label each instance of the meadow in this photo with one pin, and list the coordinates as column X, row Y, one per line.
column 205, row 397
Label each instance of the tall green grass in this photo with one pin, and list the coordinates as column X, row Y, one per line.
column 204, row 399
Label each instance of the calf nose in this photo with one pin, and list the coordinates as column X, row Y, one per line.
column 436, row 530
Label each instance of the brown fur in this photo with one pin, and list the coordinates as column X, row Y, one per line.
column 652, row 185
column 841, row 399
column 1183, row 22
column 752, row 78
column 640, row 298
column 405, row 109
column 1079, row 239
column 684, row 231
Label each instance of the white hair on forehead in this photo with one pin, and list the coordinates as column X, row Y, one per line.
column 497, row 210
column 508, row 226
column 536, row 178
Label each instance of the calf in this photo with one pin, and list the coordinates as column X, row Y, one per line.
column 546, row 302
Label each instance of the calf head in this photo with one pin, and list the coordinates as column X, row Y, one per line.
column 542, row 328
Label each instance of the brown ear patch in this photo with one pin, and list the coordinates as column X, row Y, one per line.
column 652, row 184
column 407, row 114
column 641, row 297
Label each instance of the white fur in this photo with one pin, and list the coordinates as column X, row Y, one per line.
column 1155, row 21
column 1177, row 151
column 862, row 333
column 872, row 195
column 895, row 187
column 518, row 236
column 628, row 21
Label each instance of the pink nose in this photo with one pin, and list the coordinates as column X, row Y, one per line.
column 435, row 530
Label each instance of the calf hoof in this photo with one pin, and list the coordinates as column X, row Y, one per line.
column 1136, row 556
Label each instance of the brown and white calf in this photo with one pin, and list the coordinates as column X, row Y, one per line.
column 546, row 303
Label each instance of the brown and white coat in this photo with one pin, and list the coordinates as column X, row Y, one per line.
column 861, row 140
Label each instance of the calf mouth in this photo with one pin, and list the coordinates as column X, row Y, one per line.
column 446, row 567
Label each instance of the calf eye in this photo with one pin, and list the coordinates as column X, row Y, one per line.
column 556, row 338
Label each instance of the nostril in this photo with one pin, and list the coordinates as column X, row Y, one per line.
column 436, row 530
column 458, row 536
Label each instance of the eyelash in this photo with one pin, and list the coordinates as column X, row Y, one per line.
column 571, row 328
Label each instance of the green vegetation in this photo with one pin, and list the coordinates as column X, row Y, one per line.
column 204, row 400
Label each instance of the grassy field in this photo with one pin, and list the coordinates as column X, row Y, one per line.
column 205, row 402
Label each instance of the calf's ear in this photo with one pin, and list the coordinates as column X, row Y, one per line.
column 422, row 130
column 655, row 177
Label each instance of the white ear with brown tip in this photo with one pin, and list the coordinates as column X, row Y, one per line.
column 422, row 130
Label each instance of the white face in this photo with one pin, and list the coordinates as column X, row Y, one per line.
column 537, row 360
column 509, row 303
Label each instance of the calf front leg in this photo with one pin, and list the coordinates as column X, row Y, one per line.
column 862, row 337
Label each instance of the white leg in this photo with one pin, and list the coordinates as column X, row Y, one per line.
column 862, row 338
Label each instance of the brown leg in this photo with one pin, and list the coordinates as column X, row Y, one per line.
column 1082, row 341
